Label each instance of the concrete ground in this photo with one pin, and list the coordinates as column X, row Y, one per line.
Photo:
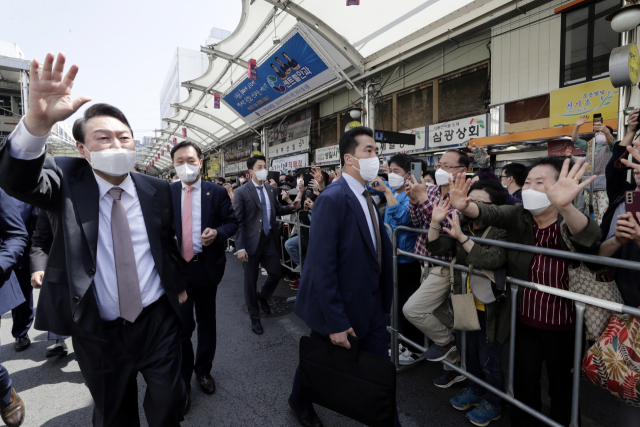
column 253, row 376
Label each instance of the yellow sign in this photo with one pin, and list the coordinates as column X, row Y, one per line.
column 634, row 64
column 569, row 103
column 214, row 164
column 256, row 153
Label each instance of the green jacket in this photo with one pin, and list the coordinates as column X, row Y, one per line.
column 481, row 257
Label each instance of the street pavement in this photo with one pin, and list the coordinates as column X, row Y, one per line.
column 253, row 376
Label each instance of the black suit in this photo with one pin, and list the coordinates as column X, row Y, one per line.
column 203, row 275
column 110, row 354
column 261, row 248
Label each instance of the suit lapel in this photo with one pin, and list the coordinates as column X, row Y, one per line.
column 272, row 199
column 361, row 219
column 176, row 196
column 205, row 204
column 254, row 193
column 152, row 218
column 86, row 195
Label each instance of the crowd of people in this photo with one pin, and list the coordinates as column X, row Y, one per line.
column 128, row 266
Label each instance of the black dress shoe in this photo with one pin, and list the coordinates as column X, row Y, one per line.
column 207, row 383
column 306, row 418
column 256, row 327
column 59, row 349
column 264, row 304
column 187, row 404
column 23, row 343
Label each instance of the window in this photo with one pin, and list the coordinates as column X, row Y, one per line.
column 18, row 102
column 5, row 106
column 587, row 41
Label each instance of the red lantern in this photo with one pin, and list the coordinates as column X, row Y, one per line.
column 253, row 69
column 175, row 141
column 353, row 2
column 184, row 132
column 216, row 100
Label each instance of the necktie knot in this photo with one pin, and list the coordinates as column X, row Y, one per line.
column 259, row 188
column 188, row 188
column 115, row 193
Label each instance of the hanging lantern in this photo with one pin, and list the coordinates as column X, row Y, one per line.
column 353, row 2
column 162, row 153
column 168, row 147
column 216, row 100
column 175, row 141
column 184, row 132
column 253, row 69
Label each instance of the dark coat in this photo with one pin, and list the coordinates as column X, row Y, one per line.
column 13, row 241
column 41, row 242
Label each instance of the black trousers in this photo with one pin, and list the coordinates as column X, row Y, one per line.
column 409, row 275
column 23, row 314
column 533, row 347
column 151, row 346
column 201, row 296
column 268, row 255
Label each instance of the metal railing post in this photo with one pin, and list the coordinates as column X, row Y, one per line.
column 512, row 339
column 395, row 356
column 299, row 240
column 463, row 336
column 577, row 358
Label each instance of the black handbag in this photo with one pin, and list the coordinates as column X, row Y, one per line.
column 356, row 384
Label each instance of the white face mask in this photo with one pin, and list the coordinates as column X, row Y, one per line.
column 601, row 139
column 428, row 184
column 301, row 180
column 113, row 161
column 442, row 177
column 242, row 180
column 503, row 184
column 262, row 174
column 368, row 168
column 535, row 201
column 187, row 172
column 396, row 181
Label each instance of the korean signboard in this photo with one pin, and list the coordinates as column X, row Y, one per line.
column 298, row 129
column 288, row 163
column 387, row 150
column 458, row 131
column 292, row 71
column 559, row 148
column 235, row 168
column 238, row 155
column 277, row 133
column 569, row 103
column 299, row 145
column 328, row 155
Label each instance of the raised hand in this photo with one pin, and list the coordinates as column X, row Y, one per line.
column 379, row 185
column 562, row 193
column 417, row 190
column 458, row 192
column 50, row 95
column 456, row 230
column 480, row 155
column 440, row 211
column 582, row 120
column 635, row 154
column 628, row 228
column 632, row 121
column 317, row 174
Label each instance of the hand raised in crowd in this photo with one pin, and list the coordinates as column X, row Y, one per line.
column 569, row 151
column 599, row 127
column 562, row 193
column 632, row 121
column 635, row 154
column 417, row 191
column 50, row 95
column 341, row 338
column 285, row 196
column 317, row 174
column 379, row 185
column 582, row 120
column 243, row 256
column 273, row 182
column 480, row 155
column 308, row 205
column 313, row 184
column 628, row 228
column 456, row 230
column 230, row 192
column 440, row 211
column 384, row 169
column 458, row 192
column 36, row 279
column 298, row 200
column 208, row 236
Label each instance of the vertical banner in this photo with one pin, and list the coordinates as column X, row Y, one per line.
column 175, row 141
column 253, row 70
column 216, row 100
column 184, row 132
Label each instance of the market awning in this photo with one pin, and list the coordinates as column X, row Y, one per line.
column 535, row 136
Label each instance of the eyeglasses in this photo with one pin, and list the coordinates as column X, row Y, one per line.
column 449, row 168
column 504, row 176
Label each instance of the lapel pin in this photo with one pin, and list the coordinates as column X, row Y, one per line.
column 207, row 194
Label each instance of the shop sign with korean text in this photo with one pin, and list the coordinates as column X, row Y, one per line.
column 570, row 103
column 238, row 155
column 300, row 145
column 295, row 69
column 387, row 150
column 288, row 163
column 328, row 155
column 298, row 129
column 559, row 148
column 278, row 133
column 455, row 132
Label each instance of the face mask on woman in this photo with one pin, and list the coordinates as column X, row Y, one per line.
column 601, row 139
column 535, row 201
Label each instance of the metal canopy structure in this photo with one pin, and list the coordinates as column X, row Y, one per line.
column 363, row 41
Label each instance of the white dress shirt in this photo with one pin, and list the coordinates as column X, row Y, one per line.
column 27, row 147
column 196, row 213
column 266, row 199
column 358, row 189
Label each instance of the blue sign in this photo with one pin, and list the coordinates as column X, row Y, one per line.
column 294, row 70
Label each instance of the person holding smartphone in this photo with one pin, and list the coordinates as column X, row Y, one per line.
column 604, row 143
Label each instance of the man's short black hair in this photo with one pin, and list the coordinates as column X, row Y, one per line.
column 493, row 188
column 348, row 142
column 172, row 174
column 96, row 111
column 555, row 162
column 183, row 144
column 516, row 170
column 403, row 161
column 463, row 160
column 289, row 179
column 253, row 159
column 221, row 180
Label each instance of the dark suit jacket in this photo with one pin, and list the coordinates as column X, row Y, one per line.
column 41, row 242
column 13, row 241
column 67, row 188
column 341, row 278
column 248, row 210
column 29, row 215
column 617, row 186
column 217, row 214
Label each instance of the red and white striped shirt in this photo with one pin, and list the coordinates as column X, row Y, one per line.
column 539, row 309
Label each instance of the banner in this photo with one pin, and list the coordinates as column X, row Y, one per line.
column 458, row 131
column 299, row 145
column 214, row 165
column 238, row 155
column 298, row 129
column 569, row 103
column 328, row 155
column 387, row 150
column 294, row 70
column 289, row 163
column 277, row 133
column 559, row 148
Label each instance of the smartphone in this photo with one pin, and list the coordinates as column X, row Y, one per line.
column 416, row 170
column 597, row 119
column 632, row 202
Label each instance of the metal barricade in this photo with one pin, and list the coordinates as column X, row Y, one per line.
column 580, row 302
column 298, row 226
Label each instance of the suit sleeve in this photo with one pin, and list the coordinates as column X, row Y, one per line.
column 282, row 210
column 173, row 251
column 322, row 252
column 238, row 210
column 227, row 217
column 41, row 243
column 13, row 235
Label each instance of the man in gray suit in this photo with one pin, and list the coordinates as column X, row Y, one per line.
column 256, row 206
